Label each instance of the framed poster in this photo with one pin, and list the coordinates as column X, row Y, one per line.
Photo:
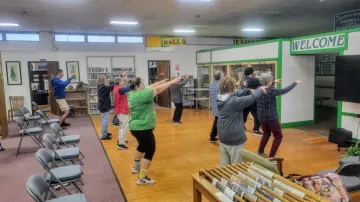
column 13, row 72
column 327, row 68
column 72, row 67
column 317, row 68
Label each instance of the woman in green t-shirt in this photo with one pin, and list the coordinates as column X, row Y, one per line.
column 142, row 123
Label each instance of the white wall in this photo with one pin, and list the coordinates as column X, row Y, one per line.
column 203, row 57
column 298, row 104
column 269, row 50
column 351, row 123
column 184, row 56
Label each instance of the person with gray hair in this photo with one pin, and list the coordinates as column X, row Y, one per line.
column 214, row 91
column 267, row 113
column 176, row 97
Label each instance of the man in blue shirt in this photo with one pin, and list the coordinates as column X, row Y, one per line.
column 60, row 94
column 214, row 91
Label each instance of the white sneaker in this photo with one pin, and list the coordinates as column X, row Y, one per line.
column 145, row 181
column 135, row 170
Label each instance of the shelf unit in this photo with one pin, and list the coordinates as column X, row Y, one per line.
column 187, row 94
column 77, row 98
column 111, row 67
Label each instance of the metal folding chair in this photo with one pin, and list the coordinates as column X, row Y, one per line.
column 66, row 154
column 28, row 117
column 64, row 139
column 36, row 106
column 37, row 188
column 56, row 175
column 45, row 121
column 34, row 133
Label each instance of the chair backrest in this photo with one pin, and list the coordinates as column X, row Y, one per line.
column 35, row 105
column 44, row 157
column 248, row 156
column 57, row 129
column 20, row 122
column 50, row 141
column 16, row 102
column 349, row 169
column 41, row 114
column 36, row 186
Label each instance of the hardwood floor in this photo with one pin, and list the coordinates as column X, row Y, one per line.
column 184, row 149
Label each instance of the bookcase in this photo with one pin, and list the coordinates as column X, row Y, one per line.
column 111, row 67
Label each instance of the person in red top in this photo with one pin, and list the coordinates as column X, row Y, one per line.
column 121, row 109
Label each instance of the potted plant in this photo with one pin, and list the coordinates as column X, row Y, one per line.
column 353, row 151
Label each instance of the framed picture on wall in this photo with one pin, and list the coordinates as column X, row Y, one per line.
column 13, row 72
column 72, row 67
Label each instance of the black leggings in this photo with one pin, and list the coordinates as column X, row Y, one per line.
column 146, row 141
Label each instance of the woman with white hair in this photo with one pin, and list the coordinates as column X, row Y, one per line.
column 267, row 113
column 176, row 97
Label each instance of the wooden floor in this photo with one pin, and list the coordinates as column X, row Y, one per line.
column 184, row 149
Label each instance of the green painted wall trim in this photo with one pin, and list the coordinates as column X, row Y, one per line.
column 279, row 76
column 311, row 52
column 238, row 61
column 297, row 124
column 339, row 114
column 348, row 114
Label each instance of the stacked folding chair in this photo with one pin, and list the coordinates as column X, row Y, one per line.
column 28, row 117
column 34, row 133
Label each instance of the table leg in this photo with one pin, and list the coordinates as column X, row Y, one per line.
column 196, row 195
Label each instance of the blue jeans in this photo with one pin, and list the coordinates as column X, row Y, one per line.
column 104, row 124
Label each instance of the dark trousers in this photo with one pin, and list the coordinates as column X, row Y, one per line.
column 115, row 120
column 178, row 112
column 213, row 133
column 253, row 110
column 275, row 129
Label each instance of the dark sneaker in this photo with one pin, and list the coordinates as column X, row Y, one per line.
column 145, row 181
column 109, row 134
column 115, row 125
column 135, row 169
column 122, row 147
column 257, row 133
column 65, row 124
column 106, row 138
column 213, row 140
column 2, row 148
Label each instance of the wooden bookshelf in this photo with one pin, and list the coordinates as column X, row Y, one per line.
column 79, row 99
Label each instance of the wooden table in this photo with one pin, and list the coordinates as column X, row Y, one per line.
column 203, row 187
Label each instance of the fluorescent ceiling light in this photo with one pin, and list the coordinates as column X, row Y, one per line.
column 199, row 26
column 124, row 22
column 252, row 30
column 183, row 31
column 9, row 25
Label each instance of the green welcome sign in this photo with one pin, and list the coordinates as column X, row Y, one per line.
column 316, row 44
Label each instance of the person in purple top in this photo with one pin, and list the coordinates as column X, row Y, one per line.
column 267, row 113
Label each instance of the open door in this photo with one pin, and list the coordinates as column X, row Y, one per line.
column 163, row 72
column 3, row 114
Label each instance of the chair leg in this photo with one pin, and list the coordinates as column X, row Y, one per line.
column 72, row 162
column 82, row 154
column 80, row 161
column 22, row 136
column 81, row 182
column 77, row 187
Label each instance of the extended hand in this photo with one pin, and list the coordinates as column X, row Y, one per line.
column 72, row 75
column 263, row 89
column 164, row 80
column 298, row 81
column 177, row 79
column 278, row 81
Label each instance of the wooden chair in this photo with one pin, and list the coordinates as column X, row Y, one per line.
column 16, row 102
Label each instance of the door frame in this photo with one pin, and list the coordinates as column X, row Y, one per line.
column 157, row 75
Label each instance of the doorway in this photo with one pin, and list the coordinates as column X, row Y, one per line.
column 40, row 75
column 159, row 70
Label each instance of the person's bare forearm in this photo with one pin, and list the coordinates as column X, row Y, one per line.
column 152, row 86
column 160, row 88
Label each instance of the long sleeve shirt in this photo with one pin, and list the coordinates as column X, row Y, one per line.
column 121, row 105
column 214, row 91
column 59, row 87
column 104, row 101
column 175, row 91
column 266, row 105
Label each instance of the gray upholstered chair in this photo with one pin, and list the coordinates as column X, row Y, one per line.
column 61, row 155
column 56, row 175
column 28, row 117
column 64, row 139
column 37, row 188
column 45, row 121
column 350, row 159
column 36, row 107
column 34, row 133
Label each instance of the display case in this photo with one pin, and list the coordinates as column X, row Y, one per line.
column 204, row 76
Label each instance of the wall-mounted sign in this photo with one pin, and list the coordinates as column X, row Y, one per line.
column 318, row 43
column 246, row 41
column 170, row 41
column 348, row 20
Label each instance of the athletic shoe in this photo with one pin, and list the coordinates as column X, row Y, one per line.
column 257, row 133
column 262, row 154
column 213, row 140
column 106, row 138
column 65, row 124
column 109, row 134
column 145, row 181
column 117, row 141
column 176, row 123
column 135, row 170
column 115, row 125
column 122, row 147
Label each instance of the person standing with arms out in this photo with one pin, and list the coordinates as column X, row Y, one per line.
column 268, row 116
column 214, row 91
column 230, row 124
column 142, row 123
column 176, row 97
column 104, row 105
column 60, row 94
column 121, row 109
column 252, row 83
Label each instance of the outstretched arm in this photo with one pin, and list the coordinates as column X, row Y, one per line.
column 181, row 83
column 63, row 84
column 124, row 90
column 245, row 101
column 160, row 88
column 283, row 91
column 152, row 86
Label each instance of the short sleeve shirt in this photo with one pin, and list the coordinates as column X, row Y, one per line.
column 142, row 112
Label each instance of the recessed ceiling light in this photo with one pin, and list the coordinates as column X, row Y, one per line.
column 253, row 30
column 9, row 25
column 183, row 31
column 124, row 22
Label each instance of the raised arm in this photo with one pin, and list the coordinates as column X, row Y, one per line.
column 180, row 84
column 124, row 90
column 152, row 86
column 108, row 89
column 242, row 92
column 245, row 101
column 283, row 91
column 160, row 88
column 63, row 84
